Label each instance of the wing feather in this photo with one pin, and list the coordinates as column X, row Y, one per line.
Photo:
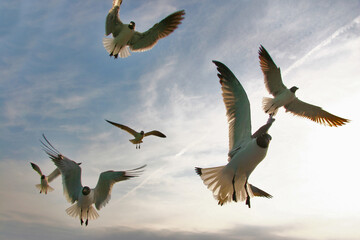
column 155, row 133
column 272, row 74
column 36, row 168
column 237, row 106
column 123, row 127
column 147, row 40
column 314, row 113
column 102, row 191
column 70, row 171
column 113, row 23
column 54, row 174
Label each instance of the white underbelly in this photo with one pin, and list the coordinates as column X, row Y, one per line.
column 246, row 160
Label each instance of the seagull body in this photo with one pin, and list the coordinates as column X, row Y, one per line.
column 230, row 182
column 82, row 196
column 44, row 186
column 126, row 37
column 138, row 136
column 284, row 97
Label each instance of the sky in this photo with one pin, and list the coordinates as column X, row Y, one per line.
column 57, row 79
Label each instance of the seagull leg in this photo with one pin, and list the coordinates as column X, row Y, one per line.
column 247, row 195
column 81, row 220
column 234, row 193
column 87, row 217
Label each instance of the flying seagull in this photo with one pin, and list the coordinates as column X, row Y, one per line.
column 230, row 182
column 83, row 196
column 126, row 37
column 138, row 135
column 286, row 97
column 44, row 186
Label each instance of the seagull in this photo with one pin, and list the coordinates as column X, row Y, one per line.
column 230, row 182
column 44, row 186
column 84, row 197
column 286, row 97
column 126, row 37
column 138, row 135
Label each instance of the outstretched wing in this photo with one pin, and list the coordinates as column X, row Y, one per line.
column 123, row 127
column 147, row 40
column 155, row 133
column 314, row 113
column 113, row 23
column 54, row 175
column 237, row 106
column 70, row 171
column 102, row 191
column 272, row 74
column 36, row 168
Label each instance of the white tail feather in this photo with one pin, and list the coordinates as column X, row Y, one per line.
column 226, row 187
column 112, row 48
column 269, row 106
column 44, row 189
column 109, row 44
column 75, row 211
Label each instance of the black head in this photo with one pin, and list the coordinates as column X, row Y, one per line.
column 293, row 89
column 86, row 190
column 263, row 140
column 42, row 176
column 132, row 25
column 142, row 133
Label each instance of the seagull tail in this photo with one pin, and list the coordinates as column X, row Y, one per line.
column 269, row 106
column 75, row 211
column 115, row 50
column 219, row 180
column 227, row 187
column 44, row 189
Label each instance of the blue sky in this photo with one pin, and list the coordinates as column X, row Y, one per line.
column 57, row 78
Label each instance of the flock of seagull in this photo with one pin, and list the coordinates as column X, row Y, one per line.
column 246, row 150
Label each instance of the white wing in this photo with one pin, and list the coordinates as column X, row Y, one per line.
column 237, row 107
column 102, row 191
column 272, row 74
column 113, row 23
column 314, row 113
column 54, row 175
column 36, row 168
column 70, row 171
column 71, row 177
column 147, row 40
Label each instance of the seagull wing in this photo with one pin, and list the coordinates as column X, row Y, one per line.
column 54, row 175
column 36, row 168
column 123, row 127
column 155, row 133
column 102, row 191
column 314, row 113
column 71, row 177
column 237, row 107
column 272, row 74
column 145, row 41
column 113, row 23
column 70, row 171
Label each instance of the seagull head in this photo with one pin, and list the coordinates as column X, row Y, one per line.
column 132, row 25
column 86, row 190
column 293, row 89
column 263, row 140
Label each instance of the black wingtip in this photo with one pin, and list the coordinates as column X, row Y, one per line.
column 198, row 171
